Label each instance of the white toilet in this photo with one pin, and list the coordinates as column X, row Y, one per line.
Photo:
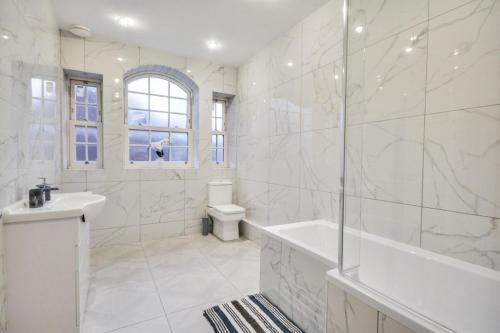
column 225, row 215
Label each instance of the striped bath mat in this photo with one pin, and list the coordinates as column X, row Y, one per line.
column 252, row 314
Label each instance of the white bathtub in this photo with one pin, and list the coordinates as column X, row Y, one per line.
column 425, row 291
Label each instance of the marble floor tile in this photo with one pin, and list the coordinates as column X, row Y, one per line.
column 157, row 325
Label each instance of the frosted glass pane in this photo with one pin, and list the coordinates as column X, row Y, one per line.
column 80, row 112
column 214, row 155
column 176, row 91
column 35, row 131
column 49, row 132
column 178, row 154
column 137, row 101
column 137, row 117
column 220, row 141
column 158, row 103
column 178, row 139
column 178, row 105
column 36, row 88
column 80, row 152
column 92, row 113
column 159, row 86
column 158, row 136
column 220, row 155
column 159, row 119
column 80, row 94
column 219, row 108
column 50, row 90
column 80, row 134
column 92, row 152
column 48, row 151
column 49, row 109
column 178, row 120
column 214, row 140
column 138, row 137
column 138, row 153
column 36, row 106
column 140, row 85
column 92, row 134
column 91, row 95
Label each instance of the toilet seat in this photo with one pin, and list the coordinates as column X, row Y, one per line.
column 229, row 209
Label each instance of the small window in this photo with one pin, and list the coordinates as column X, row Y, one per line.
column 158, row 122
column 219, row 134
column 85, row 125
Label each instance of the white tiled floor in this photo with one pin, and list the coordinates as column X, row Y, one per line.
column 163, row 286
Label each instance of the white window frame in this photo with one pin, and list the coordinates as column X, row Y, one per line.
column 217, row 132
column 159, row 163
column 73, row 123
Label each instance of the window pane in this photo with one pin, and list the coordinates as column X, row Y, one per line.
column 178, row 139
column 91, row 95
column 80, row 112
column 159, row 86
column 50, row 90
column 155, row 156
column 178, row 105
column 213, row 124
column 80, row 152
column 158, row 136
column 35, row 131
column 140, row 85
column 92, row 113
column 219, row 108
column 92, row 152
column 214, row 140
column 36, row 106
column 80, row 134
column 220, row 141
column 138, row 137
column 80, row 94
column 92, row 134
column 177, row 91
column 49, row 109
column 49, row 132
column 139, row 153
column 178, row 120
column 214, row 155
column 48, row 151
column 220, row 155
column 137, row 117
column 179, row 154
column 36, row 88
column 137, row 101
column 159, row 119
column 218, row 125
column 213, row 110
column 158, row 103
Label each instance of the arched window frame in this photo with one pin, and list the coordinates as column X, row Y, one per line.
column 184, row 82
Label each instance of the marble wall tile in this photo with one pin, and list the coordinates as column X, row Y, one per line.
column 114, row 236
column 251, row 158
column 464, row 57
column 72, row 52
column 461, row 161
column 318, row 205
column 387, row 79
column 284, row 108
column 270, row 268
column 283, row 204
column 162, row 201
column 158, row 231
column 285, row 57
column 471, row 238
column 319, row 154
column 347, row 314
column 388, row 325
column 437, row 7
column 303, row 294
column 254, row 196
column 380, row 19
column 322, row 38
column 392, row 220
column 321, row 98
column 73, row 187
column 122, row 204
column 392, row 160
column 149, row 56
column 230, row 80
column 283, row 159
column 196, row 199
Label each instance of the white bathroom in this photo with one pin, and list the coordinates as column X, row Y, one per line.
column 302, row 166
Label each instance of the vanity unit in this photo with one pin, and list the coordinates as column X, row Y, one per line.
column 47, row 262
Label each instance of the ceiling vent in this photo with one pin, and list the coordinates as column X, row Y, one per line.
column 80, row 31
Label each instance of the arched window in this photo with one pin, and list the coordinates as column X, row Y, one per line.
column 158, row 120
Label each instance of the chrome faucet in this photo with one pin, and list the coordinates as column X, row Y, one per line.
column 46, row 188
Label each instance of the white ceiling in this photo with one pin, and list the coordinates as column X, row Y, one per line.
column 182, row 27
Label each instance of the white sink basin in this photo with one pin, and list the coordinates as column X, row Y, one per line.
column 65, row 205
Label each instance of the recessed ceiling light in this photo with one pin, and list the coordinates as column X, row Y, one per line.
column 336, row 77
column 124, row 21
column 254, row 83
column 120, row 59
column 456, row 67
column 408, row 49
column 413, row 38
column 213, row 44
column 359, row 29
column 117, row 80
column 289, row 64
column 188, row 70
column 5, row 36
column 117, row 95
column 456, row 52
